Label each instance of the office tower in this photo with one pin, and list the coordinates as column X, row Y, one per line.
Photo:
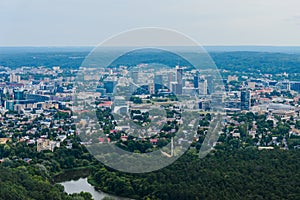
column 13, row 78
column 135, row 76
column 158, row 81
column 9, row 105
column 1, row 96
column 210, row 84
column 173, row 87
column 109, row 85
column 151, row 87
column 202, row 85
column 245, row 100
column 19, row 95
column 295, row 85
column 196, row 81
column 170, row 80
column 178, row 88
column 179, row 74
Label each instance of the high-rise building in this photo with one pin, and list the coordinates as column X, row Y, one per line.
column 295, row 85
column 173, row 87
column 13, row 78
column 179, row 74
column 170, row 79
column 19, row 95
column 178, row 88
column 109, row 85
column 135, row 76
column 151, row 88
column 1, row 96
column 202, row 86
column 158, row 81
column 9, row 105
column 245, row 100
column 210, row 84
column 196, row 81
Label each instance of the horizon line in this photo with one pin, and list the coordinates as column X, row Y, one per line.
column 209, row 45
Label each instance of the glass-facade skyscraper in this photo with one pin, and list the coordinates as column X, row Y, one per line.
column 245, row 100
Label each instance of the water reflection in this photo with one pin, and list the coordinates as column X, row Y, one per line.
column 82, row 185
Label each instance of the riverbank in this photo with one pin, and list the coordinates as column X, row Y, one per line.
column 76, row 186
column 79, row 179
column 71, row 174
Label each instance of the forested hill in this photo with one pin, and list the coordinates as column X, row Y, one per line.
column 267, row 62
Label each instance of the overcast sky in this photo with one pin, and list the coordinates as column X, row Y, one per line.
column 88, row 22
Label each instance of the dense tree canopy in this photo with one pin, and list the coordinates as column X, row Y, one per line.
column 238, row 174
column 24, row 182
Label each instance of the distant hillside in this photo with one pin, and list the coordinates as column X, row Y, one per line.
column 72, row 57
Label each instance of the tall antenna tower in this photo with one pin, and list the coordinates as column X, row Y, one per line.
column 172, row 146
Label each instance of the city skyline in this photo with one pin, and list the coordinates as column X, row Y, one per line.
column 136, row 99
